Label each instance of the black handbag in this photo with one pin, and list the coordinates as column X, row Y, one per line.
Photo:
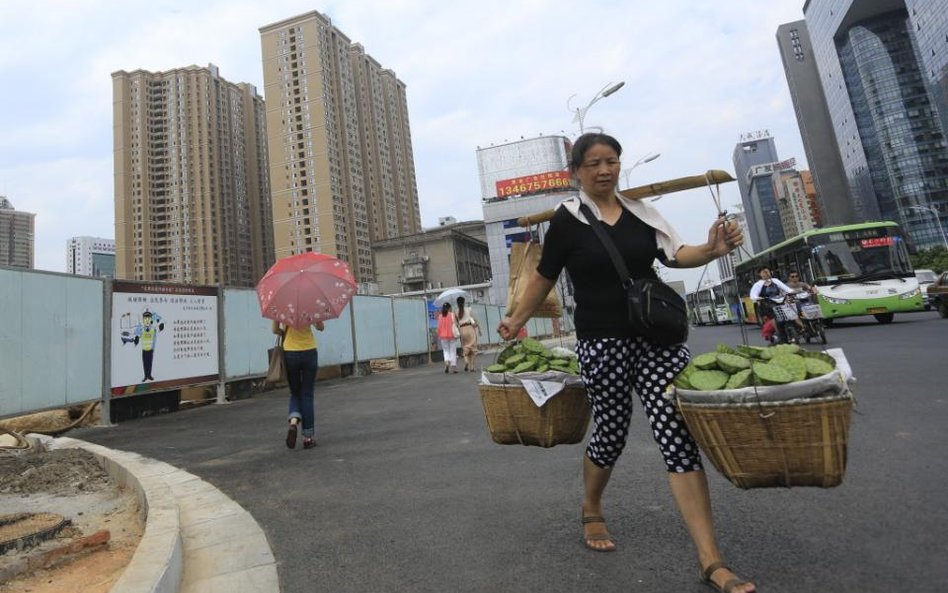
column 656, row 311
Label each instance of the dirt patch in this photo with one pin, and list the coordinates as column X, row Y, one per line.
column 71, row 483
column 61, row 471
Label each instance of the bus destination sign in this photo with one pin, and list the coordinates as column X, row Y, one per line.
column 876, row 242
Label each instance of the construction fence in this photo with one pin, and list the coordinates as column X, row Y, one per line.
column 67, row 340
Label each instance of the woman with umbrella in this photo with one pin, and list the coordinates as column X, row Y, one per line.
column 448, row 333
column 298, row 293
column 302, row 361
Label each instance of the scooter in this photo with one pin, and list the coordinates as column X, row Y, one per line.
column 784, row 314
column 812, row 317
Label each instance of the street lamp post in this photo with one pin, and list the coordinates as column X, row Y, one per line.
column 646, row 158
column 934, row 213
column 580, row 112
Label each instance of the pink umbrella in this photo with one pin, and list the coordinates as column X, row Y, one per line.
column 302, row 289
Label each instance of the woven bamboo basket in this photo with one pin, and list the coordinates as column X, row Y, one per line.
column 513, row 418
column 760, row 445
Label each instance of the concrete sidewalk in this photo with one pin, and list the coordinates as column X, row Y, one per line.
column 406, row 492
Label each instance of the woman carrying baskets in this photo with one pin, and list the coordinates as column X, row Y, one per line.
column 614, row 360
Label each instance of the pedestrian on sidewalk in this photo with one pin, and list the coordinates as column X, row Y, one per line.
column 614, row 360
column 469, row 332
column 301, row 357
column 448, row 333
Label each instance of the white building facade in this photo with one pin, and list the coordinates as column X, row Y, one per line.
column 90, row 256
column 520, row 179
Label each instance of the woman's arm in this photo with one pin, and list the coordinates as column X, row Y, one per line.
column 277, row 329
column 723, row 237
column 534, row 294
column 693, row 256
column 782, row 286
column 755, row 290
column 319, row 325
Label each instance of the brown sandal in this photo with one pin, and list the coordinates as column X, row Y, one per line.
column 728, row 586
column 599, row 537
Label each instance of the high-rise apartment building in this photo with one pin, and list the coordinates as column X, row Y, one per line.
column 883, row 66
column 341, row 163
column 16, row 236
column 816, row 210
column 90, row 256
column 793, row 202
column 192, row 182
column 816, row 127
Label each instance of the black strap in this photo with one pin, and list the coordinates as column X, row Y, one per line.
column 617, row 261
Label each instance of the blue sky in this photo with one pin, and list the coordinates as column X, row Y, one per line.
column 697, row 74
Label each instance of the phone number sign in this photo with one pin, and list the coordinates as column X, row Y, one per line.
column 550, row 181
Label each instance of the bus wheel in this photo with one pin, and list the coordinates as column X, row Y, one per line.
column 884, row 317
column 827, row 323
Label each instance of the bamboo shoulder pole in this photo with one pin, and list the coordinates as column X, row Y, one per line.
column 712, row 177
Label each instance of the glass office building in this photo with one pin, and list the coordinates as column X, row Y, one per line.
column 755, row 149
column 884, row 65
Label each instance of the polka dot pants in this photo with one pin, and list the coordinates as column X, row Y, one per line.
column 611, row 369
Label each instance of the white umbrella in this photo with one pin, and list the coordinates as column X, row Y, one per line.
column 451, row 296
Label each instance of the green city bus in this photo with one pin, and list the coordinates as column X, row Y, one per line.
column 857, row 269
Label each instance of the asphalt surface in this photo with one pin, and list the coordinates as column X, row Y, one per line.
column 406, row 491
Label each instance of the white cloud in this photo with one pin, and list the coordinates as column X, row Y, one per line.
column 697, row 75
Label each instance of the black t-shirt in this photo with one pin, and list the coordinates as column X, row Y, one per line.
column 770, row 290
column 601, row 306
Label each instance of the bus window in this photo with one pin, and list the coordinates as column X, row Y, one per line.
column 829, row 265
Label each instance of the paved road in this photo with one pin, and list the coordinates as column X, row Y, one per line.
column 406, row 492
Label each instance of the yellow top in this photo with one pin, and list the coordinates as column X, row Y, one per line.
column 296, row 339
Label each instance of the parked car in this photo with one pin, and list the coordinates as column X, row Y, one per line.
column 938, row 294
column 925, row 279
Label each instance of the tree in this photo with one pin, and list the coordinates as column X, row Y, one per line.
column 935, row 259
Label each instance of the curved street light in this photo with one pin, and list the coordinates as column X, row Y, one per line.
column 580, row 112
column 646, row 158
column 934, row 213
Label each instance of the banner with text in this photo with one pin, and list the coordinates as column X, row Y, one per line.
column 163, row 336
column 539, row 183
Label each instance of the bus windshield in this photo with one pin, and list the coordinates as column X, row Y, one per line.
column 853, row 259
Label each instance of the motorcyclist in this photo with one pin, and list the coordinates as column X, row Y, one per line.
column 797, row 284
column 768, row 288
column 808, row 311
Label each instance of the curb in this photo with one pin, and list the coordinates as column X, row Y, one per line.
column 196, row 539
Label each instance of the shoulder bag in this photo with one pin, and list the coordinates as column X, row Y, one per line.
column 656, row 312
column 276, row 370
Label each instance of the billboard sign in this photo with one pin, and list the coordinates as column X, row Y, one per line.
column 163, row 336
column 539, row 183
